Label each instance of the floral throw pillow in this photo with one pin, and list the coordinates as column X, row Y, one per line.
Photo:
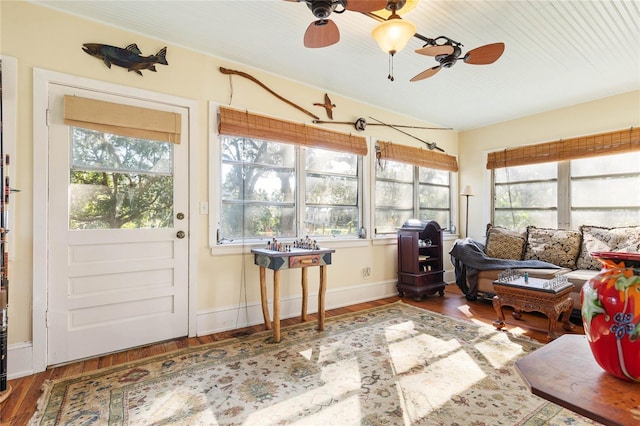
column 503, row 243
column 558, row 246
column 599, row 238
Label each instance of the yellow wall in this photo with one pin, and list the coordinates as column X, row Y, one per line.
column 607, row 114
column 42, row 38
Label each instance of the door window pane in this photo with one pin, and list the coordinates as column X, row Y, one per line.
column 119, row 182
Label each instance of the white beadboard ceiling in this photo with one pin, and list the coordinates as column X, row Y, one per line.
column 558, row 53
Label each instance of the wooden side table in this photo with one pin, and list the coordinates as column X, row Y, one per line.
column 294, row 259
column 566, row 373
column 533, row 295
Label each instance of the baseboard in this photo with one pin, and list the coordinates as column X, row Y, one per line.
column 19, row 360
column 232, row 317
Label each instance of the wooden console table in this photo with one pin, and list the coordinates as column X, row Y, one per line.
column 533, row 296
column 565, row 373
column 294, row 259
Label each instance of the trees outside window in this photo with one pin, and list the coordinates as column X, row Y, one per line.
column 404, row 191
column 119, row 182
column 599, row 191
column 261, row 184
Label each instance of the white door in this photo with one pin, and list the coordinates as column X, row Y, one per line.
column 118, row 239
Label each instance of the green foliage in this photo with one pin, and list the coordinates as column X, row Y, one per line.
column 120, row 182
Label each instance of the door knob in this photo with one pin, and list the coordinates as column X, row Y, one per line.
column 180, row 234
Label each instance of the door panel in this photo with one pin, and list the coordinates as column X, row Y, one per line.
column 112, row 289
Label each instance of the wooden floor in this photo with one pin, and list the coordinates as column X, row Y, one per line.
column 21, row 403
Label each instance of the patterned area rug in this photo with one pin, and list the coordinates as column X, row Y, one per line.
column 392, row 365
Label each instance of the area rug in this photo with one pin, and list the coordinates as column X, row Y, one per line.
column 392, row 365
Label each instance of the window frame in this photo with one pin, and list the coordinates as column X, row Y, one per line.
column 563, row 183
column 416, row 208
column 300, row 174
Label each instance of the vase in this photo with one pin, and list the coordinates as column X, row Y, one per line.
column 611, row 314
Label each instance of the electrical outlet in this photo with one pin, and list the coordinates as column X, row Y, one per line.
column 366, row 272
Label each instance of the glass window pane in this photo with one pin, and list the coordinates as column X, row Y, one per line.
column 243, row 150
column 390, row 194
column 331, row 190
column 107, row 200
column 327, row 161
column 606, row 165
column 433, row 196
column 394, row 170
column 93, row 150
column 442, row 217
column 331, row 193
column 118, row 182
column 610, row 191
column 529, row 172
column 518, row 220
column 240, row 221
column 440, row 177
column 331, row 221
column 389, row 220
column 532, row 195
column 606, row 217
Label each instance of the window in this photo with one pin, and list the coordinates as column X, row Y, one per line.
column 404, row 191
column 566, row 194
column 119, row 182
column 526, row 195
column 265, row 192
column 332, row 193
column 604, row 190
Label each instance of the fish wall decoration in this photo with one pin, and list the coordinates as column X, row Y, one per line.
column 130, row 57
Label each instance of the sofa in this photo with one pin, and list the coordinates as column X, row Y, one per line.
column 566, row 252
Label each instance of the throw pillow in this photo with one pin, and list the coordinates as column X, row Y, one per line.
column 600, row 238
column 503, row 243
column 558, row 246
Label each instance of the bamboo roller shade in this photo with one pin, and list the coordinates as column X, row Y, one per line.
column 616, row 142
column 417, row 156
column 124, row 120
column 245, row 124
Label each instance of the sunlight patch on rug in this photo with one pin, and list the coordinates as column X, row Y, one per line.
column 391, row 365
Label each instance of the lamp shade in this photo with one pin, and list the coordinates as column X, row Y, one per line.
column 393, row 34
column 467, row 191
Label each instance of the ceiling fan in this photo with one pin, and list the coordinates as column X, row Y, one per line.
column 324, row 32
column 447, row 52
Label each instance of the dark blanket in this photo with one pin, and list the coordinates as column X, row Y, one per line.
column 468, row 258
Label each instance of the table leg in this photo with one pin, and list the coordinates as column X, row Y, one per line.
column 276, row 305
column 303, row 316
column 321, row 292
column 497, row 305
column 263, row 298
column 566, row 317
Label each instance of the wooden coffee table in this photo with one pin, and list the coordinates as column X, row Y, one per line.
column 565, row 373
column 534, row 295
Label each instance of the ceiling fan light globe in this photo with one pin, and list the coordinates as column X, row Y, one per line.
column 394, row 34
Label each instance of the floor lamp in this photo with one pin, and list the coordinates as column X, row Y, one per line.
column 467, row 192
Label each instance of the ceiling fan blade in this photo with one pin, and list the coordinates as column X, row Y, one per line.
column 366, row 5
column 435, row 50
column 321, row 33
column 427, row 73
column 484, row 55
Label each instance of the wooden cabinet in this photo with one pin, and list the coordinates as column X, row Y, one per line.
column 420, row 267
